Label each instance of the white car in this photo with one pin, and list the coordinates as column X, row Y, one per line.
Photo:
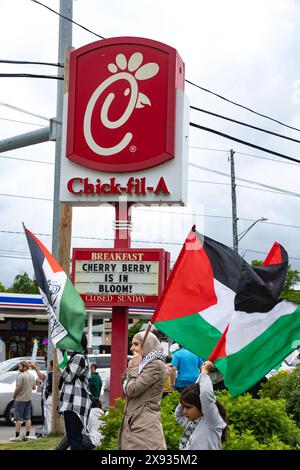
column 13, row 364
column 7, row 388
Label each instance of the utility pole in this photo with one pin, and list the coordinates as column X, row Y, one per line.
column 62, row 216
column 64, row 42
column 233, row 203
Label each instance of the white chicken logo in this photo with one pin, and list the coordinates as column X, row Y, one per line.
column 136, row 99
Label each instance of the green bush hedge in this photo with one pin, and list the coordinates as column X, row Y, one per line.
column 285, row 385
column 258, row 424
column 261, row 424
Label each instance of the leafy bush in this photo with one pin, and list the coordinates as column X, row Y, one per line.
column 291, row 394
column 247, row 441
column 112, row 423
column 253, row 424
column 285, row 385
column 273, row 387
column 172, row 430
column 259, row 423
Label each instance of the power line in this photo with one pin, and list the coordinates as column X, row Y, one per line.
column 220, row 217
column 265, row 158
column 249, row 144
column 242, row 153
column 221, row 173
column 208, row 148
column 21, row 110
column 93, row 238
column 25, row 160
column 243, row 186
column 68, row 19
column 245, row 124
column 29, row 75
column 265, row 253
column 22, row 122
column 26, row 197
column 241, row 106
column 27, row 62
column 188, row 81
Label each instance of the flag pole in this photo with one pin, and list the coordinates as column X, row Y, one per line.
column 150, row 324
column 146, row 334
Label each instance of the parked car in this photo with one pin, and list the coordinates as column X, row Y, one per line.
column 7, row 388
column 13, row 363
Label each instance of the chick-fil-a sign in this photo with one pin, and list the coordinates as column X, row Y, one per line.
column 122, row 104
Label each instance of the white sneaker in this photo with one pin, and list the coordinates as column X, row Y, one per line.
column 30, row 437
column 16, row 439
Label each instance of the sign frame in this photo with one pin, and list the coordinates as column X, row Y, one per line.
column 122, row 300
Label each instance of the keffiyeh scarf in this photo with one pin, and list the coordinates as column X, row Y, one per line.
column 158, row 354
column 187, row 434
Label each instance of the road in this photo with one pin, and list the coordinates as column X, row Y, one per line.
column 6, row 432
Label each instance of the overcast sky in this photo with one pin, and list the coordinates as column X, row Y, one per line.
column 247, row 51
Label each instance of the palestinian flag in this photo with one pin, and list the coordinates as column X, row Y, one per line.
column 219, row 307
column 65, row 308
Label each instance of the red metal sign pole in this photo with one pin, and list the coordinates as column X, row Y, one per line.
column 119, row 341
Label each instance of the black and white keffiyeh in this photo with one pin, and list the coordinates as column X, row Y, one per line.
column 187, row 434
column 158, row 354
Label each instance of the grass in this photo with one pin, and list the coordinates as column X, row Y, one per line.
column 44, row 443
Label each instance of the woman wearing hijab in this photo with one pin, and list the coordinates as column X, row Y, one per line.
column 143, row 385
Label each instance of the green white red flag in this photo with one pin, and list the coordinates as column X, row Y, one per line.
column 219, row 307
column 65, row 308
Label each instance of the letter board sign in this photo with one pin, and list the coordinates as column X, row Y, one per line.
column 114, row 277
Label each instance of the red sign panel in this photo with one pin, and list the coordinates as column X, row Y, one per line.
column 112, row 277
column 122, row 104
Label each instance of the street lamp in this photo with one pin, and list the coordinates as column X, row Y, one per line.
column 244, row 232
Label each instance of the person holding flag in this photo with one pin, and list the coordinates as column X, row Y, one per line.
column 203, row 418
column 74, row 400
column 219, row 307
column 143, row 384
column 66, row 315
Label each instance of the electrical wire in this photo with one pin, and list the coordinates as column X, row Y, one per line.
column 29, row 75
column 26, row 197
column 25, row 160
column 21, row 110
column 241, row 106
column 265, row 158
column 245, row 124
column 219, row 217
column 188, row 81
column 27, row 62
column 227, row 175
column 243, row 186
column 22, row 122
column 68, row 19
column 243, row 153
column 265, row 253
column 249, row 144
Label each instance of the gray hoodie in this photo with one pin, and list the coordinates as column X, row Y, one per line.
column 208, row 432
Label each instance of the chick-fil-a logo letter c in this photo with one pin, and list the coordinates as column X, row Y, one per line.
column 121, row 104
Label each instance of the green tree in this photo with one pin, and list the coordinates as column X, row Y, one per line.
column 2, row 288
column 23, row 284
column 292, row 276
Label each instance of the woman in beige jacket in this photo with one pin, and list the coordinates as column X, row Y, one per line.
column 143, row 385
